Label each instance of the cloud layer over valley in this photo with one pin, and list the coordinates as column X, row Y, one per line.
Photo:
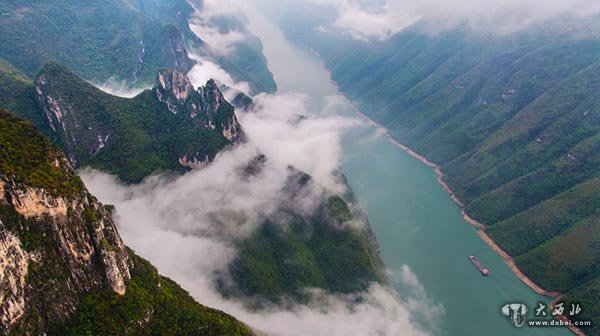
column 187, row 226
column 380, row 19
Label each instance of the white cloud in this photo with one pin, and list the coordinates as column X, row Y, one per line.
column 221, row 43
column 165, row 222
column 186, row 225
column 310, row 144
column 380, row 312
column 379, row 19
column 119, row 88
column 206, row 69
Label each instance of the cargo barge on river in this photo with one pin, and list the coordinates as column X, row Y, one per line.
column 484, row 271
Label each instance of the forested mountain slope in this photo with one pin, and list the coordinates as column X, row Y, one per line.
column 169, row 127
column 514, row 122
column 175, row 127
column 244, row 62
column 121, row 40
column 65, row 269
column 96, row 41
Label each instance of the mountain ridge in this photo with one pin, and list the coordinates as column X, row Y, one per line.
column 512, row 119
column 65, row 269
column 98, row 129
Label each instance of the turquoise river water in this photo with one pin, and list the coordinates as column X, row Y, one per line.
column 415, row 221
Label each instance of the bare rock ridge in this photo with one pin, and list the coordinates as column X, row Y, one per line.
column 206, row 106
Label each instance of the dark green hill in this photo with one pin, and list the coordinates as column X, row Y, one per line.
column 332, row 249
column 171, row 127
column 96, row 40
column 123, row 40
column 175, row 127
column 245, row 62
column 65, row 269
column 514, row 121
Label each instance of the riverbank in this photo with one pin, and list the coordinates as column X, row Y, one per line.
column 484, row 236
column 481, row 226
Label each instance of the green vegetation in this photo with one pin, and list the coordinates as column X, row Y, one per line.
column 514, row 122
column 131, row 138
column 283, row 259
column 245, row 62
column 152, row 305
column 17, row 95
column 587, row 296
column 67, row 294
column 96, row 41
column 141, row 135
column 124, row 39
column 28, row 158
column 290, row 253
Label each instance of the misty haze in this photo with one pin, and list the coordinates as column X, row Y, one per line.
column 292, row 168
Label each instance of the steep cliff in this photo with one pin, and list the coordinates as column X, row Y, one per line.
column 171, row 127
column 176, row 127
column 244, row 60
column 64, row 269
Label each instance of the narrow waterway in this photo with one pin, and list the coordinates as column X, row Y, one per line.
column 416, row 222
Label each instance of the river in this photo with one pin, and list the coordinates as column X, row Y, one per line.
column 416, row 222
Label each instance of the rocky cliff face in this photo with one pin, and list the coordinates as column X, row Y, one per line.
column 169, row 50
column 55, row 243
column 64, row 269
column 83, row 133
column 206, row 107
column 88, row 253
column 121, row 135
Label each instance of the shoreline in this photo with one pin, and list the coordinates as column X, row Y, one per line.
column 481, row 232
column 510, row 262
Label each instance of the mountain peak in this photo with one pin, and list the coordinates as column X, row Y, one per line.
column 174, row 82
column 206, row 106
column 93, row 125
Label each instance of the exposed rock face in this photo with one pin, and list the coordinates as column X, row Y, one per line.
column 194, row 161
column 71, row 238
column 122, row 135
column 35, row 203
column 173, row 89
column 85, row 132
column 63, row 267
column 13, row 271
column 173, row 49
column 205, row 108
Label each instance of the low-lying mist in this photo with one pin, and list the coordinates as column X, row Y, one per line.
column 380, row 19
column 187, row 225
